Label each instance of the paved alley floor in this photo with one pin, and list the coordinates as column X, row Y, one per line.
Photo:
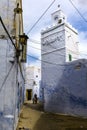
column 33, row 117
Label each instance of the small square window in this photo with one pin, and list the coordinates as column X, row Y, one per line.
column 70, row 57
column 77, row 67
column 36, row 75
column 56, row 17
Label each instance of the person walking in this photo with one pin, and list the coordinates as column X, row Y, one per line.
column 35, row 99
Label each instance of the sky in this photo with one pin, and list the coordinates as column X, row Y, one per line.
column 33, row 9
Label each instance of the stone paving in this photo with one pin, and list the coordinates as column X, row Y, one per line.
column 33, row 117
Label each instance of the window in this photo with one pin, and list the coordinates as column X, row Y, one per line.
column 60, row 21
column 56, row 17
column 78, row 66
column 34, row 82
column 70, row 57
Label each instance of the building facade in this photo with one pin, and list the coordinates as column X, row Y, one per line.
column 65, row 88
column 32, row 86
column 63, row 85
column 61, row 39
column 11, row 68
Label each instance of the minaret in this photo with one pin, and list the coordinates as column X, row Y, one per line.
column 58, row 16
column 60, row 41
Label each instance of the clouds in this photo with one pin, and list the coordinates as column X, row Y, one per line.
column 83, row 44
column 34, row 53
column 83, row 36
column 83, row 2
column 33, row 9
column 34, row 49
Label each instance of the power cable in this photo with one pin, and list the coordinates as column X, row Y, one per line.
column 6, row 77
column 50, row 62
column 50, row 52
column 38, row 42
column 21, row 70
column 40, row 17
column 34, row 41
column 78, row 11
column 7, row 32
column 42, row 60
column 61, row 54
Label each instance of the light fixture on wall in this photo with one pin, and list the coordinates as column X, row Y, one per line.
column 23, row 39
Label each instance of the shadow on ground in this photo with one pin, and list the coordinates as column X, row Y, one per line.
column 38, row 106
column 35, row 118
column 49, row 121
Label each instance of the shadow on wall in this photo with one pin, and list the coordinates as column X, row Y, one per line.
column 65, row 89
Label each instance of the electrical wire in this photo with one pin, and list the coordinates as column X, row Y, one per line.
column 78, row 11
column 41, row 60
column 34, row 41
column 7, row 32
column 61, row 54
column 45, row 51
column 38, row 42
column 21, row 70
column 51, row 51
column 5, row 79
column 65, row 64
column 40, row 17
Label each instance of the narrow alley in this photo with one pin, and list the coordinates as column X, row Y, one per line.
column 33, row 117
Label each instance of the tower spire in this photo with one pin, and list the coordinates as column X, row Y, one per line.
column 58, row 16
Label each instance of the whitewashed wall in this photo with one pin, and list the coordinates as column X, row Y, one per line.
column 71, row 42
column 63, row 82
column 53, row 45
column 11, row 80
column 33, row 75
column 8, row 85
column 65, row 88
column 11, row 95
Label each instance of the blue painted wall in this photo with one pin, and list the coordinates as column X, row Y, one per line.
column 65, row 88
column 11, row 87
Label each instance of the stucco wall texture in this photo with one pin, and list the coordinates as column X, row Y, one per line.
column 65, row 88
column 11, row 86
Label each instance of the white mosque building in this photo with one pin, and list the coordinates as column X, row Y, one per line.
column 63, row 73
